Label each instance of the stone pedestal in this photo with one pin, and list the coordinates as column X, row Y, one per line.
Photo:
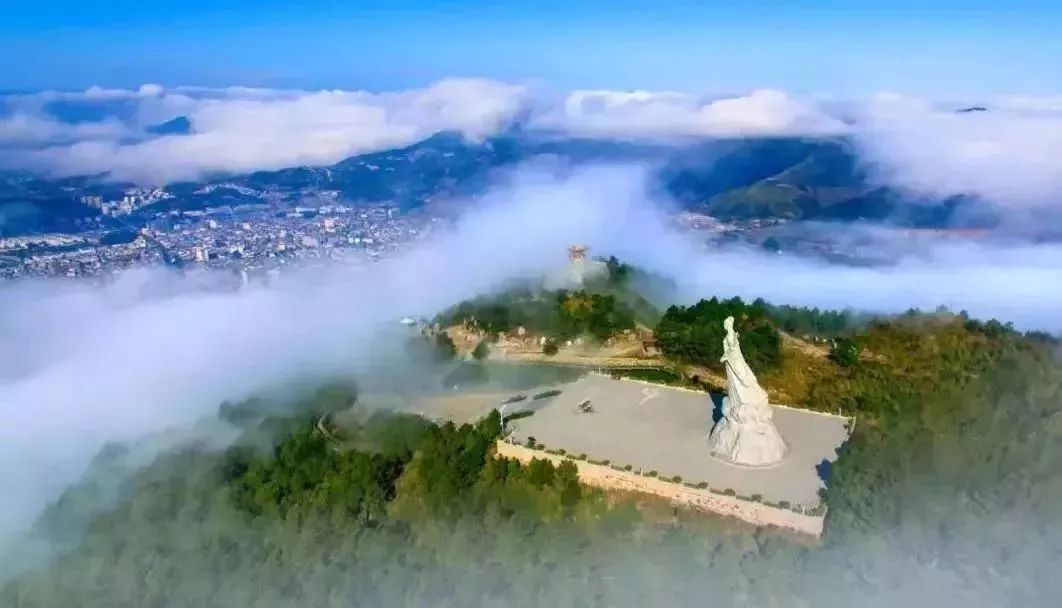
column 751, row 443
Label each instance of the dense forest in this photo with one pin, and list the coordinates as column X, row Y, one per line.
column 605, row 306
column 949, row 491
column 813, row 322
column 559, row 314
column 694, row 334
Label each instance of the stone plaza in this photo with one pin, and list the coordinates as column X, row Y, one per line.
column 653, row 427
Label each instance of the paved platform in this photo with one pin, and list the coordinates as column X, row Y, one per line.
column 654, row 427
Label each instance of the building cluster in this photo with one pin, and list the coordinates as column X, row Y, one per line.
column 268, row 234
column 778, row 236
column 131, row 201
column 29, row 242
column 246, row 238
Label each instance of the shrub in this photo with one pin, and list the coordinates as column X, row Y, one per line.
column 444, row 348
column 518, row 415
column 481, row 351
column 553, row 392
column 652, row 473
column 581, row 456
column 702, row 485
column 605, row 461
column 627, row 467
column 561, row 452
column 550, row 348
column 530, row 442
column 784, row 504
column 845, row 352
column 677, row 479
column 730, row 492
column 756, row 498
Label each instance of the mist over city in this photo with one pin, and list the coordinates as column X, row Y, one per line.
column 594, row 328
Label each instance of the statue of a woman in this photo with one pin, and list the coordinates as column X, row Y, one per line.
column 743, row 388
column 746, row 433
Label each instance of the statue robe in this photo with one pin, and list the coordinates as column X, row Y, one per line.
column 746, row 434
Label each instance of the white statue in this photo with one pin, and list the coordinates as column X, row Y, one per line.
column 746, row 434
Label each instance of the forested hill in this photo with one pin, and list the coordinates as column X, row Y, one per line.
column 949, row 492
column 605, row 305
column 791, row 178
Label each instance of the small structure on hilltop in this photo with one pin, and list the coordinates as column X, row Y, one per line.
column 580, row 269
column 746, row 434
column 577, row 253
column 650, row 348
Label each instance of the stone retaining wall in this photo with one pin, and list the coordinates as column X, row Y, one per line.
column 607, row 478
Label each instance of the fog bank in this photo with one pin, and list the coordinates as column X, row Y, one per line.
column 150, row 351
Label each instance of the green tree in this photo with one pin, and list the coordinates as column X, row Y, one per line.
column 950, row 486
column 695, row 333
column 845, row 352
column 550, row 348
column 481, row 351
column 618, row 273
column 444, row 348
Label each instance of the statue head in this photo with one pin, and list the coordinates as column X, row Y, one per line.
column 728, row 324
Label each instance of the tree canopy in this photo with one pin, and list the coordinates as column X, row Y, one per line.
column 561, row 314
column 950, row 490
column 694, row 334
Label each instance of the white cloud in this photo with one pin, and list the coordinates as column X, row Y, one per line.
column 670, row 115
column 242, row 129
column 35, row 129
column 1010, row 154
column 120, row 361
column 151, row 351
column 239, row 130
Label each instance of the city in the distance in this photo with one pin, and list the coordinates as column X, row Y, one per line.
column 425, row 303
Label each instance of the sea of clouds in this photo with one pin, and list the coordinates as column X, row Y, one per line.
column 1010, row 154
column 85, row 364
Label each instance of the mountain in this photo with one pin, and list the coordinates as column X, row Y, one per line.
column 443, row 165
column 732, row 179
column 29, row 203
column 440, row 165
column 789, row 178
column 806, row 180
column 178, row 126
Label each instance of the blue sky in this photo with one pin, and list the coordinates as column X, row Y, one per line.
column 844, row 47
